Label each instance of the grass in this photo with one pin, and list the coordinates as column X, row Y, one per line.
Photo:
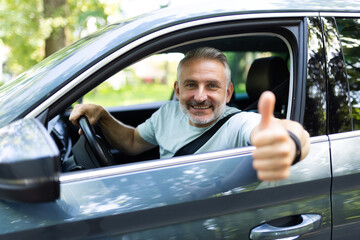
column 143, row 93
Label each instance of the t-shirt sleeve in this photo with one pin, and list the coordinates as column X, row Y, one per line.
column 248, row 121
column 147, row 129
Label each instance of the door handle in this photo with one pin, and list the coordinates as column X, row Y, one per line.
column 309, row 223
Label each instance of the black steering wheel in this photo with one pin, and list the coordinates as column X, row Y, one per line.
column 97, row 144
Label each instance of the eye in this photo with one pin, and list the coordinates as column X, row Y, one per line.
column 213, row 86
column 190, row 85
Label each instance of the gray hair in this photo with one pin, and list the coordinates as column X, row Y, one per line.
column 206, row 53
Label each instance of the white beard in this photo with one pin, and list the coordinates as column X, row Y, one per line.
column 215, row 115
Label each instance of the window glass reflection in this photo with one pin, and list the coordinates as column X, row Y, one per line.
column 339, row 117
column 349, row 31
column 315, row 110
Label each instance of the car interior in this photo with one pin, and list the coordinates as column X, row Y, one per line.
column 258, row 62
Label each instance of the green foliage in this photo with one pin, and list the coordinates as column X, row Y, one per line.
column 350, row 33
column 80, row 11
column 24, row 27
column 20, row 30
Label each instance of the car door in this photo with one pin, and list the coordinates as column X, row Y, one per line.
column 217, row 195
column 213, row 195
column 343, row 64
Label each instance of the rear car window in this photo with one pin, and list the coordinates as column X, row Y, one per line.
column 349, row 31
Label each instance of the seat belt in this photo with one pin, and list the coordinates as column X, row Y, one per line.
column 195, row 144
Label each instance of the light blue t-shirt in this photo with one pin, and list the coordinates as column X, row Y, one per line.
column 169, row 128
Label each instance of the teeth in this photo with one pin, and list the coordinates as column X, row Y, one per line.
column 200, row 107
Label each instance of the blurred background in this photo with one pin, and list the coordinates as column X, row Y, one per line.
column 31, row 30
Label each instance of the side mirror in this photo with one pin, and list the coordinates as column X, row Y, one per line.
column 29, row 163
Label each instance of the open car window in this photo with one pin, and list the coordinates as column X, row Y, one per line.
column 132, row 92
column 147, row 81
column 151, row 79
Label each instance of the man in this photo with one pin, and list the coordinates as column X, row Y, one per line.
column 203, row 88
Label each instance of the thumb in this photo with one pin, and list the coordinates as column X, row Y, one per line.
column 266, row 107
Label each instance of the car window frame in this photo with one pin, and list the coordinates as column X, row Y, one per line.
column 288, row 28
column 106, row 67
column 201, row 40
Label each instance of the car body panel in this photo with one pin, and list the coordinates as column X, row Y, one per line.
column 181, row 187
column 345, row 160
column 346, row 171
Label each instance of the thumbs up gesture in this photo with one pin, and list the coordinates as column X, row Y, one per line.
column 275, row 150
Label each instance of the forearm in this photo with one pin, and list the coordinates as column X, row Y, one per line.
column 121, row 136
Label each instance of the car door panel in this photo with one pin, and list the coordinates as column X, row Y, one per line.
column 343, row 141
column 212, row 196
column 346, row 185
column 233, row 213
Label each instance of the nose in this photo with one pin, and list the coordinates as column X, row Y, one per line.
column 201, row 94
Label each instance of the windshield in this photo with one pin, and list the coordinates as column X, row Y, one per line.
column 29, row 89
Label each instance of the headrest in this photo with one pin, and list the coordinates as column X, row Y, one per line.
column 265, row 74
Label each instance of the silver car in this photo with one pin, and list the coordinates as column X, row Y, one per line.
column 57, row 185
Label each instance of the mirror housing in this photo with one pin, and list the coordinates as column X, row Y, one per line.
column 29, row 163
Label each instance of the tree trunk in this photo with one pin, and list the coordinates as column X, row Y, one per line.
column 57, row 38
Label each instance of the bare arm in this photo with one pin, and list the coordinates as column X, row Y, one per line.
column 123, row 137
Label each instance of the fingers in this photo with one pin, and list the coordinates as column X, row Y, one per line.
column 76, row 113
column 92, row 112
column 272, row 162
column 266, row 107
column 274, row 175
column 278, row 150
column 270, row 135
column 268, row 171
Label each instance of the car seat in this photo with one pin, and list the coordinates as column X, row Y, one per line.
column 272, row 74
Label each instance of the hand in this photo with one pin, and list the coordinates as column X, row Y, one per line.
column 275, row 150
column 93, row 113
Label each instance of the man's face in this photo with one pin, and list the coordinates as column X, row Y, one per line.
column 202, row 91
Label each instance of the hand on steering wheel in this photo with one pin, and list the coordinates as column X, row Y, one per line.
column 97, row 144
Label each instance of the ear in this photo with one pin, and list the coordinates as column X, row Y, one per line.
column 177, row 89
column 229, row 92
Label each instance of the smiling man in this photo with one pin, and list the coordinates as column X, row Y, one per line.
column 203, row 88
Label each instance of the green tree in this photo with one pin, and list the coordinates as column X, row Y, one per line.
column 55, row 10
column 21, row 32
column 34, row 29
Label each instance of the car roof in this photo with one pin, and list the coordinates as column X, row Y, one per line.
column 274, row 5
column 215, row 7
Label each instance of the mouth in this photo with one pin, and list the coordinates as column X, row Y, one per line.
column 200, row 107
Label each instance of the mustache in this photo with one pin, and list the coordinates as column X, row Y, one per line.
column 195, row 103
